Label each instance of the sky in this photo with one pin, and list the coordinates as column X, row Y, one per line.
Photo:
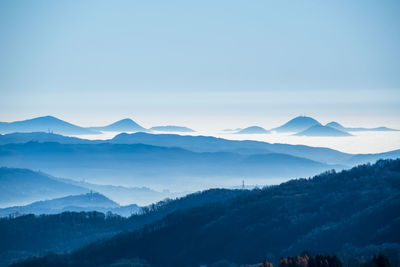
column 203, row 64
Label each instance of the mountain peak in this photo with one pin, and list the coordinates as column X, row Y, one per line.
column 335, row 125
column 124, row 125
column 44, row 124
column 297, row 124
column 253, row 130
column 321, row 130
column 126, row 121
column 303, row 119
column 47, row 118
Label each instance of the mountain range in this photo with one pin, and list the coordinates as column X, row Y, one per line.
column 163, row 159
column 55, row 125
column 45, row 124
column 307, row 126
column 142, row 164
column 21, row 137
column 204, row 144
column 338, row 126
column 320, row 130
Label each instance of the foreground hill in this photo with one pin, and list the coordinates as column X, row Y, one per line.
column 354, row 211
column 33, row 235
column 21, row 186
column 44, row 124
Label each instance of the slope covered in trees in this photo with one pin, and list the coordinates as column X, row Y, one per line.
column 347, row 212
column 30, row 235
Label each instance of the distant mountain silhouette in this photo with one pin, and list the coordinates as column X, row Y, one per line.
column 145, row 164
column 297, row 124
column 377, row 129
column 320, row 130
column 213, row 144
column 18, row 138
column 202, row 144
column 78, row 203
column 338, row 126
column 21, row 186
column 253, row 130
column 125, row 125
column 172, row 128
column 44, row 124
column 192, row 143
column 371, row 158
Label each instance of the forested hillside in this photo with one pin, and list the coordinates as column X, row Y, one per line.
column 33, row 235
column 345, row 213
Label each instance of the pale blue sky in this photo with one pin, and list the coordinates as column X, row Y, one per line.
column 201, row 63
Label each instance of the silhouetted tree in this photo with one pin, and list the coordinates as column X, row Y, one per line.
column 379, row 260
column 305, row 260
column 266, row 263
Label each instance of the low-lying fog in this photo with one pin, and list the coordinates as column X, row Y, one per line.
column 361, row 142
